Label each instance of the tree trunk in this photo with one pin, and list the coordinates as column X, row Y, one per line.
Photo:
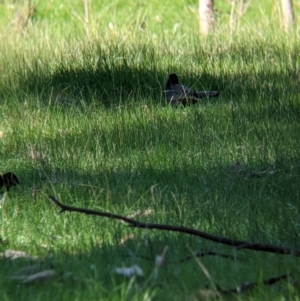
column 287, row 13
column 206, row 16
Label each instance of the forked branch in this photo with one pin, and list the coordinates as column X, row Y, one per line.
column 238, row 244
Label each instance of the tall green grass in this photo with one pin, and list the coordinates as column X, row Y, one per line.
column 84, row 119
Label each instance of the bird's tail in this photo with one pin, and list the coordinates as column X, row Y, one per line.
column 202, row 94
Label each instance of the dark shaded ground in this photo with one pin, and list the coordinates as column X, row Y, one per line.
column 125, row 78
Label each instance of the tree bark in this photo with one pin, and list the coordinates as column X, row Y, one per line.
column 287, row 14
column 206, row 16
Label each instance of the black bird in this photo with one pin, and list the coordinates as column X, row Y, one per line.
column 8, row 180
column 177, row 94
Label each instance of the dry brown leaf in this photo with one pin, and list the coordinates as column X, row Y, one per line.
column 126, row 238
column 148, row 212
column 141, row 212
column 13, row 254
column 207, row 295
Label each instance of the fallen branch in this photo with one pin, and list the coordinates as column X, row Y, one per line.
column 250, row 285
column 218, row 293
column 210, row 253
column 189, row 257
column 238, row 244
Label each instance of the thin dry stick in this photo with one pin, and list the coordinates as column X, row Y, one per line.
column 189, row 257
column 209, row 253
column 239, row 244
column 219, row 292
column 250, row 285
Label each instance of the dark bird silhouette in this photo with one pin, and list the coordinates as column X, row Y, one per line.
column 8, row 180
column 177, row 94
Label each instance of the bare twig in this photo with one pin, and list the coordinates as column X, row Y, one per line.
column 238, row 244
column 193, row 256
column 209, row 253
column 218, row 293
column 250, row 285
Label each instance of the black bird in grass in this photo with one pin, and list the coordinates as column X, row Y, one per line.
column 177, row 94
column 8, row 180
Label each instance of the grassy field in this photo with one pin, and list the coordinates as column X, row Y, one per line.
column 83, row 118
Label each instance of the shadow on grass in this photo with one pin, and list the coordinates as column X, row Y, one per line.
column 212, row 199
column 87, row 271
column 90, row 274
column 118, row 81
column 125, row 85
column 209, row 198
